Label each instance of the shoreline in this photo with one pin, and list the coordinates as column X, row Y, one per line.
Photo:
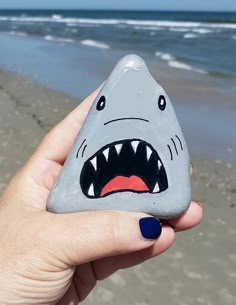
column 202, row 102
column 198, row 269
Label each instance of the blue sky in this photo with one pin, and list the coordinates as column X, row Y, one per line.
column 209, row 5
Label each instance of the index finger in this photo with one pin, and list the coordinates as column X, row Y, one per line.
column 190, row 219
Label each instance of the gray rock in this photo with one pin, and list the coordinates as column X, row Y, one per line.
column 130, row 153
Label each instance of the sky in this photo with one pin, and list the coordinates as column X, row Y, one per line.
column 207, row 5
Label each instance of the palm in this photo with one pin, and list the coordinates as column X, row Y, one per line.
column 85, row 276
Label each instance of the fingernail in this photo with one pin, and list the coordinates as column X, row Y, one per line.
column 150, row 228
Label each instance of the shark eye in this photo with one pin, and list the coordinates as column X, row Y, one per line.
column 162, row 103
column 101, row 103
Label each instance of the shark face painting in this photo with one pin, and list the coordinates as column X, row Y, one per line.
column 130, row 153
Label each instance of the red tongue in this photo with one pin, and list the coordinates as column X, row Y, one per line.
column 121, row 183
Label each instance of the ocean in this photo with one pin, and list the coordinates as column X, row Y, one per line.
column 201, row 42
column 191, row 54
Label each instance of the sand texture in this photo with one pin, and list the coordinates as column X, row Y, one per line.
column 199, row 269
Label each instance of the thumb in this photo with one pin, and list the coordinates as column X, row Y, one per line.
column 83, row 237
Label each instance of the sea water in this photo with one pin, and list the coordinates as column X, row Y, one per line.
column 201, row 42
column 75, row 51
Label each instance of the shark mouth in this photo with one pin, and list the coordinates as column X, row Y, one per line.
column 124, row 166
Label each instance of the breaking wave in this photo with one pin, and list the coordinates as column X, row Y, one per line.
column 202, row 31
column 58, row 39
column 16, row 33
column 174, row 63
column 177, row 29
column 132, row 22
column 95, row 44
column 190, row 35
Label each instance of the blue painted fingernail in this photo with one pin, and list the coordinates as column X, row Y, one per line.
column 150, row 228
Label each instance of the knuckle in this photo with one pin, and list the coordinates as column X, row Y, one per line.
column 113, row 227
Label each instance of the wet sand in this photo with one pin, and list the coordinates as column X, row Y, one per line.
column 199, row 269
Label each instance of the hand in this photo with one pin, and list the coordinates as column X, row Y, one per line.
column 47, row 258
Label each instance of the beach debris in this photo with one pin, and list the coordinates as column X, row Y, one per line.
column 130, row 153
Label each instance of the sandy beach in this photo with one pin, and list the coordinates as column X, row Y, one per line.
column 199, row 269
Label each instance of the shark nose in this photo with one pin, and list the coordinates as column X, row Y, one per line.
column 126, row 119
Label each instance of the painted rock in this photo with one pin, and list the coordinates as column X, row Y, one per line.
column 130, row 153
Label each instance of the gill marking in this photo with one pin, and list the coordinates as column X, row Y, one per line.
column 181, row 145
column 171, row 154
column 175, row 146
column 80, row 148
column 84, row 150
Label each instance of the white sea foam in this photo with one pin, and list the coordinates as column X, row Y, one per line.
column 190, row 36
column 15, row 33
column 162, row 23
column 58, row 39
column 155, row 23
column 71, row 24
column 202, row 31
column 164, row 56
column 178, row 29
column 173, row 63
column 181, row 24
column 95, row 44
column 167, row 57
column 179, row 65
column 57, row 17
column 155, row 28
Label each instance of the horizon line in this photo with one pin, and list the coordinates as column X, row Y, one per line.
column 125, row 10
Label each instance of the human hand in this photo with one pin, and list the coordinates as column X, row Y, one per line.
column 47, row 258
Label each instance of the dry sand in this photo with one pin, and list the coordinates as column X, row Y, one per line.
column 199, row 269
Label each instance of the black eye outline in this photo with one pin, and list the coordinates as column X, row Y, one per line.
column 101, row 103
column 162, row 103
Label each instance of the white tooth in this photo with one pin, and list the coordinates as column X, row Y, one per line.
column 157, row 188
column 91, row 191
column 149, row 153
column 159, row 164
column 106, row 153
column 94, row 162
column 135, row 145
column 118, row 148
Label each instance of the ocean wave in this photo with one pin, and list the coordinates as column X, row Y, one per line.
column 133, row 22
column 58, row 39
column 202, row 31
column 190, row 36
column 164, row 56
column 181, row 24
column 174, row 63
column 60, row 20
column 95, row 44
column 57, row 17
column 154, row 28
column 15, row 33
column 234, row 37
column 71, row 24
column 179, row 65
column 178, row 29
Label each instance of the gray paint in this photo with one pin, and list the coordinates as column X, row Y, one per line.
column 130, row 91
